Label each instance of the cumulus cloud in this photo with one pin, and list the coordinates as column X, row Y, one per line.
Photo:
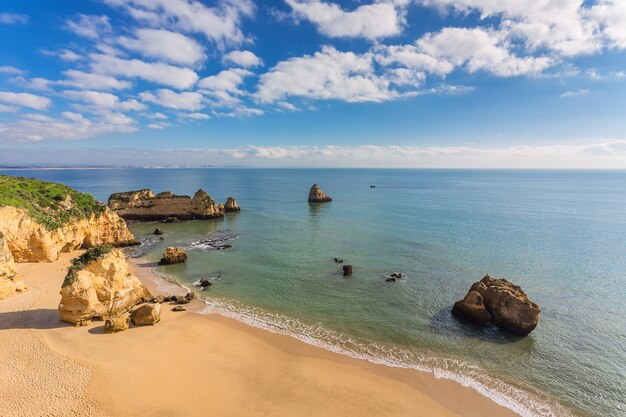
column 179, row 101
column 13, row 18
column 86, row 80
column 220, row 23
column 156, row 72
column 244, row 59
column 89, row 26
column 10, row 70
column 25, row 100
column 372, row 21
column 328, row 74
column 227, row 80
column 164, row 44
column 97, row 100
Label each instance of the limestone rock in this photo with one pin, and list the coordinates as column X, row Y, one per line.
column 158, row 231
column 507, row 304
column 347, row 270
column 146, row 315
column 144, row 205
column 116, row 324
column 100, row 287
column 316, row 195
column 179, row 308
column 231, row 205
column 173, row 255
column 472, row 308
column 9, row 281
column 30, row 241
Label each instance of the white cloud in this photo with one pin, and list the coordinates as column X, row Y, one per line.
column 220, row 23
column 180, row 101
column 158, row 125
column 574, row 93
column 97, row 100
column 158, row 73
column 372, row 21
column 410, row 56
column 611, row 16
column 86, row 80
column 163, row 44
column 25, row 100
column 8, row 109
column 13, row 18
column 326, row 75
column 479, row 49
column 194, row 116
column 227, row 80
column 244, row 59
column 69, row 55
column 155, row 115
column 90, row 26
column 10, row 70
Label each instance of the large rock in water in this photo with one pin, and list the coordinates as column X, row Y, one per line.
column 316, row 195
column 172, row 256
column 9, row 281
column 144, row 205
column 30, row 241
column 231, row 205
column 98, row 285
column 507, row 305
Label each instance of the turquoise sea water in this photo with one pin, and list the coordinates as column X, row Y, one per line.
column 561, row 235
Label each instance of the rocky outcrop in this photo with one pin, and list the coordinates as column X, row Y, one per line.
column 144, row 205
column 9, row 281
column 500, row 302
column 316, row 195
column 231, row 205
column 98, row 285
column 146, row 315
column 172, row 256
column 116, row 324
column 30, row 241
column 347, row 270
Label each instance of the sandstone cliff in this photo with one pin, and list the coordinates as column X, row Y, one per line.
column 144, row 205
column 316, row 195
column 98, row 285
column 9, row 282
column 31, row 241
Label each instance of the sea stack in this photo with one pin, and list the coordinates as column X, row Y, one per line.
column 500, row 302
column 231, row 205
column 316, row 195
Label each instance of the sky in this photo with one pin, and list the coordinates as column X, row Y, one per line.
column 315, row 83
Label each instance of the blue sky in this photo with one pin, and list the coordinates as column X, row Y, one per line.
column 458, row 83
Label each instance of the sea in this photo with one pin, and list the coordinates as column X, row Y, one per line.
column 560, row 235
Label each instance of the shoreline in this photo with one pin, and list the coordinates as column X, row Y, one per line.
column 191, row 363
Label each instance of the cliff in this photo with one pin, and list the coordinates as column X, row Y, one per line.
column 41, row 219
column 98, row 285
column 9, row 282
column 144, row 205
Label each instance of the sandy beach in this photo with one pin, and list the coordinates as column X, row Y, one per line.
column 193, row 364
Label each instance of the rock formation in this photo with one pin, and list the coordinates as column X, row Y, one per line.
column 146, row 315
column 98, row 285
column 231, row 205
column 116, row 324
column 347, row 270
column 158, row 231
column 30, row 241
column 316, row 195
column 9, row 281
column 172, row 256
column 500, row 302
column 144, row 205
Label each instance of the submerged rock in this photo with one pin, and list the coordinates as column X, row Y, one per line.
column 347, row 270
column 116, row 324
column 316, row 195
column 158, row 231
column 205, row 283
column 338, row 260
column 394, row 276
column 144, row 205
column 231, row 205
column 146, row 315
column 507, row 305
column 172, row 256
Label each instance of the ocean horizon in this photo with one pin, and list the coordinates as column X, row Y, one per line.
column 559, row 234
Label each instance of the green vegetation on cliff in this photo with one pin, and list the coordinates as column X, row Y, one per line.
column 49, row 203
column 91, row 254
